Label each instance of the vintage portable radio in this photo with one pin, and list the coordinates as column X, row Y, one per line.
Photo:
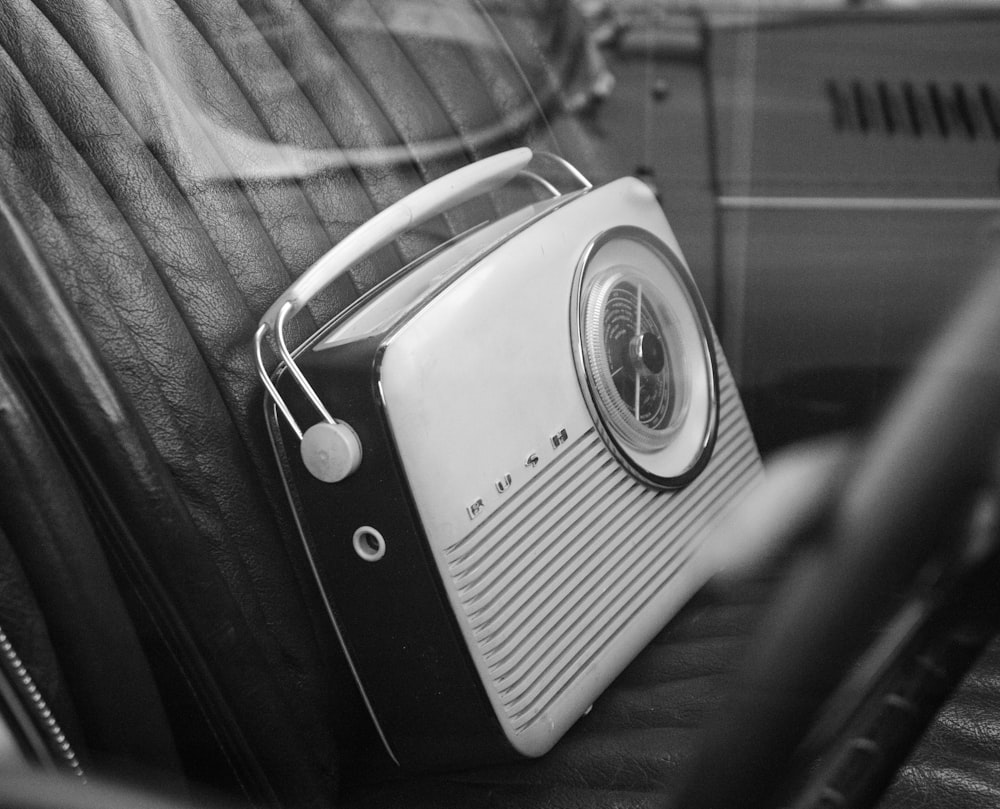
column 503, row 460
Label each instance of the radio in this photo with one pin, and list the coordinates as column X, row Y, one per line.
column 504, row 459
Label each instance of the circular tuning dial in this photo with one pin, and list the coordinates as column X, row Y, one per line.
column 645, row 359
column 635, row 358
column 635, row 338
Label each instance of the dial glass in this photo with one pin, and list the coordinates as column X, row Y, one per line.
column 635, row 340
column 635, row 356
column 644, row 356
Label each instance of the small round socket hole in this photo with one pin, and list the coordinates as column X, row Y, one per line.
column 369, row 544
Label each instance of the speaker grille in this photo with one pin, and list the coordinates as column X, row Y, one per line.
column 549, row 579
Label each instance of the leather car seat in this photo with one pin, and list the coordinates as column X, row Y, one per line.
column 166, row 168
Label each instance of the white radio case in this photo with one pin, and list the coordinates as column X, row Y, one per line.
column 514, row 449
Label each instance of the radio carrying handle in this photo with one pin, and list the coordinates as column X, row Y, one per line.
column 421, row 205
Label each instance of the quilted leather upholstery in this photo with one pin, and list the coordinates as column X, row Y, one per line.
column 130, row 153
column 956, row 763
column 68, row 583
column 173, row 164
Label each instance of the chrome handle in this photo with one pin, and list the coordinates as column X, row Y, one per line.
column 425, row 203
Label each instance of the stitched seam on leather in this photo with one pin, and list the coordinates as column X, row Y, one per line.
column 126, row 329
column 182, row 434
column 375, row 206
column 190, row 327
column 144, row 585
column 419, row 167
column 516, row 66
column 472, row 65
column 461, row 135
column 236, row 184
column 253, row 589
column 305, row 94
column 422, row 167
column 503, row 48
column 249, row 99
column 361, row 84
column 129, row 333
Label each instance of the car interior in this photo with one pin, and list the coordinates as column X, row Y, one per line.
column 171, row 167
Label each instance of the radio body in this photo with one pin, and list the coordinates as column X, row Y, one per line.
column 534, row 429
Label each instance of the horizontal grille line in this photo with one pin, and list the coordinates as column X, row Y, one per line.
column 531, row 608
column 530, row 537
column 679, row 520
column 637, row 555
column 537, row 503
column 579, row 541
column 566, row 631
column 581, row 445
column 598, row 643
column 637, row 567
column 727, row 401
column 615, row 523
column 609, row 628
column 594, row 565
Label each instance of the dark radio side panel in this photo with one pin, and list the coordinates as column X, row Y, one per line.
column 392, row 614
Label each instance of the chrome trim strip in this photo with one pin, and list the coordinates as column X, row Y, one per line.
column 545, row 184
column 733, row 202
column 562, row 163
column 33, row 702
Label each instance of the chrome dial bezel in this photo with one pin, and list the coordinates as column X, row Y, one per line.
column 671, row 454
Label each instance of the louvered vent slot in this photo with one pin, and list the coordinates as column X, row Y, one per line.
column 551, row 578
column 914, row 110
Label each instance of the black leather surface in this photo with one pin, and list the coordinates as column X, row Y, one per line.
column 97, row 681
column 955, row 764
column 174, row 165
column 130, row 152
